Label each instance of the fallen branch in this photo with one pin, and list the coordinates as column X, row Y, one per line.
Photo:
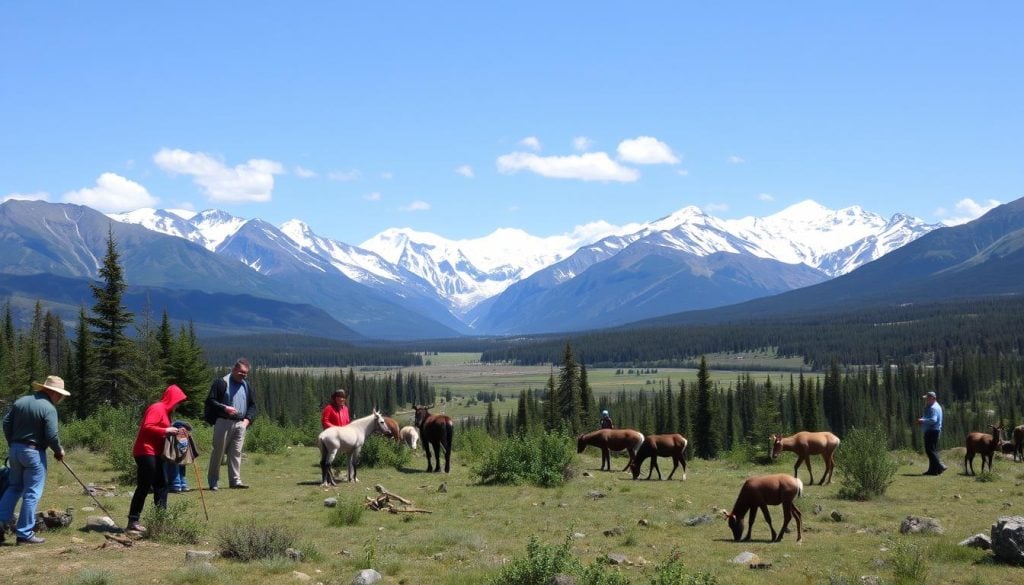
column 380, row 489
column 118, row 539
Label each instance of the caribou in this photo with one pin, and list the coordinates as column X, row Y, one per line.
column 761, row 492
column 611, row 440
column 670, row 445
column 982, row 444
column 805, row 444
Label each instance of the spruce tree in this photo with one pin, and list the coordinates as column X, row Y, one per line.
column 568, row 391
column 84, row 381
column 111, row 319
column 706, row 430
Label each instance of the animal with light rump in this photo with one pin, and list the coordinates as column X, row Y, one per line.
column 393, row 427
column 348, row 439
column 611, row 440
column 982, row 444
column 669, row 445
column 436, row 430
column 805, row 444
column 410, row 436
column 1018, row 443
column 759, row 493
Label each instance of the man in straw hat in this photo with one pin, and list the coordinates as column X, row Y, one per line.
column 30, row 427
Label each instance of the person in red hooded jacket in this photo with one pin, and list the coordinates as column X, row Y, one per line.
column 149, row 443
column 336, row 414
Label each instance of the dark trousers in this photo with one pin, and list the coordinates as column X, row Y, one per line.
column 931, row 448
column 151, row 477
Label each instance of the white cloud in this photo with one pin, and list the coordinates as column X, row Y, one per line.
column 591, row 166
column 582, row 143
column 304, row 173
column 646, row 150
column 37, row 196
column 112, row 193
column 415, row 206
column 375, row 196
column 735, row 160
column 716, row 208
column 766, row 197
column 531, row 142
column 465, row 171
column 967, row 210
column 344, row 176
column 250, row 181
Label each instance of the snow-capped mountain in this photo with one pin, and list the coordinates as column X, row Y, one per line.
column 469, row 277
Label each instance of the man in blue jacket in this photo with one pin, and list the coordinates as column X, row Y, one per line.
column 230, row 408
column 931, row 422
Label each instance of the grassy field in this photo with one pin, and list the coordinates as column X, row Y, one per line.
column 473, row 529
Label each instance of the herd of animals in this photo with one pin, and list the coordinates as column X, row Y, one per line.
column 756, row 493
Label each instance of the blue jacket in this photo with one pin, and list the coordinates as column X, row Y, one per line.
column 932, row 419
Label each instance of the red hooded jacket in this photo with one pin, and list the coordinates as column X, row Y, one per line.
column 150, row 440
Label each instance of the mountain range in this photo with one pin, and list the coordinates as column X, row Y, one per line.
column 404, row 284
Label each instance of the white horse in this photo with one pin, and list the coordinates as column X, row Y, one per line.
column 411, row 436
column 347, row 439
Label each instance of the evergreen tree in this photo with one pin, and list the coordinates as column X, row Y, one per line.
column 522, row 413
column 188, row 369
column 552, row 414
column 84, row 380
column 568, row 391
column 706, row 430
column 832, row 400
column 589, row 414
column 113, row 348
column 683, row 409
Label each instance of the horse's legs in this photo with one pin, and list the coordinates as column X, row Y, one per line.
column 448, row 449
column 750, row 524
column 426, row 449
column 650, row 469
column 326, row 474
column 632, row 455
column 768, row 519
column 799, row 522
column 969, row 458
column 437, row 457
column 675, row 465
column 787, row 515
column 807, row 460
column 606, row 459
column 830, row 465
column 654, row 464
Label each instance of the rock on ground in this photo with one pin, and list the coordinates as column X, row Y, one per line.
column 1008, row 539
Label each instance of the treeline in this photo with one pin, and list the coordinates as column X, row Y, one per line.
column 914, row 333
column 975, row 389
column 290, row 350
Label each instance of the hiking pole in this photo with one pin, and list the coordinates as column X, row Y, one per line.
column 199, row 485
column 89, row 491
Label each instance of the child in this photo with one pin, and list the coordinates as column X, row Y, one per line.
column 177, row 479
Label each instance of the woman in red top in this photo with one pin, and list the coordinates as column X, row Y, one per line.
column 156, row 425
column 336, row 413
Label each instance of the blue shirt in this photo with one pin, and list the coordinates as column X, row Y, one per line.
column 239, row 396
column 932, row 419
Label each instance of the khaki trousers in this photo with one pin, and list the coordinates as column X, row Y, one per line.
column 228, row 436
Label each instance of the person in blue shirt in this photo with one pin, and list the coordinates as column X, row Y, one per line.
column 931, row 422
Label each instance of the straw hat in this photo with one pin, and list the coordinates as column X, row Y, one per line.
column 55, row 383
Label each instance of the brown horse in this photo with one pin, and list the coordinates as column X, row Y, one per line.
column 393, row 427
column 611, row 440
column 671, row 445
column 1018, row 443
column 761, row 492
column 982, row 444
column 805, row 444
column 436, row 431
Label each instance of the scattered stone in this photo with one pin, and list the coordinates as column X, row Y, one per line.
column 957, row 497
column 100, row 524
column 818, row 509
column 920, row 525
column 76, row 540
column 1008, row 539
column 746, row 558
column 331, row 502
column 587, row 474
column 870, row 580
column 981, row 541
column 760, row 565
column 643, row 522
column 438, row 556
column 699, row 520
column 616, row 558
column 578, row 535
column 596, row 494
column 193, row 556
column 366, row 577
column 443, row 488
column 293, row 554
column 301, row 576
column 836, row 516
column 617, row 531
column 562, row 580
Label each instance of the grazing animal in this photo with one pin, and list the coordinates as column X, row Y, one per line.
column 671, row 445
column 347, row 439
column 982, row 444
column 436, row 431
column 611, row 440
column 1018, row 443
column 805, row 444
column 1006, row 447
column 393, row 427
column 759, row 493
column 410, row 436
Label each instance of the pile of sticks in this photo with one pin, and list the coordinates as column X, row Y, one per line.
column 384, row 502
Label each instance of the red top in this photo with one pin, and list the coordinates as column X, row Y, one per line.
column 334, row 417
column 156, row 419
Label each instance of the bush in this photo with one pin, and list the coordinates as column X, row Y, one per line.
column 381, row 451
column 909, row 565
column 345, row 514
column 250, row 541
column 867, row 467
column 673, row 572
column 98, row 432
column 174, row 524
column 542, row 563
column 541, row 459
column 472, row 444
column 268, row 437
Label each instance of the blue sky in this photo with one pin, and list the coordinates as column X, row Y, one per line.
column 460, row 118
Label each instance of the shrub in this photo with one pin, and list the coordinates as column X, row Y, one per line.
column 673, row 572
column 99, row 431
column 909, row 565
column 93, row 577
column 250, row 541
column 345, row 514
column 174, row 524
column 866, row 466
column 381, row 451
column 472, row 444
column 986, row 477
column 540, row 459
column 195, row 574
column 267, row 437
column 540, row 565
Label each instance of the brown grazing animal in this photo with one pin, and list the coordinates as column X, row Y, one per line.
column 611, row 440
column 982, row 444
column 671, row 445
column 393, row 427
column 1018, row 443
column 761, row 492
column 805, row 444
column 436, row 430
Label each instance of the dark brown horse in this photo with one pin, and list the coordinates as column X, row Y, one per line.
column 982, row 444
column 611, row 440
column 671, row 445
column 760, row 492
column 436, row 431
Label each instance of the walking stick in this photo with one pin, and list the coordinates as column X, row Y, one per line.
column 88, row 491
column 199, row 485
